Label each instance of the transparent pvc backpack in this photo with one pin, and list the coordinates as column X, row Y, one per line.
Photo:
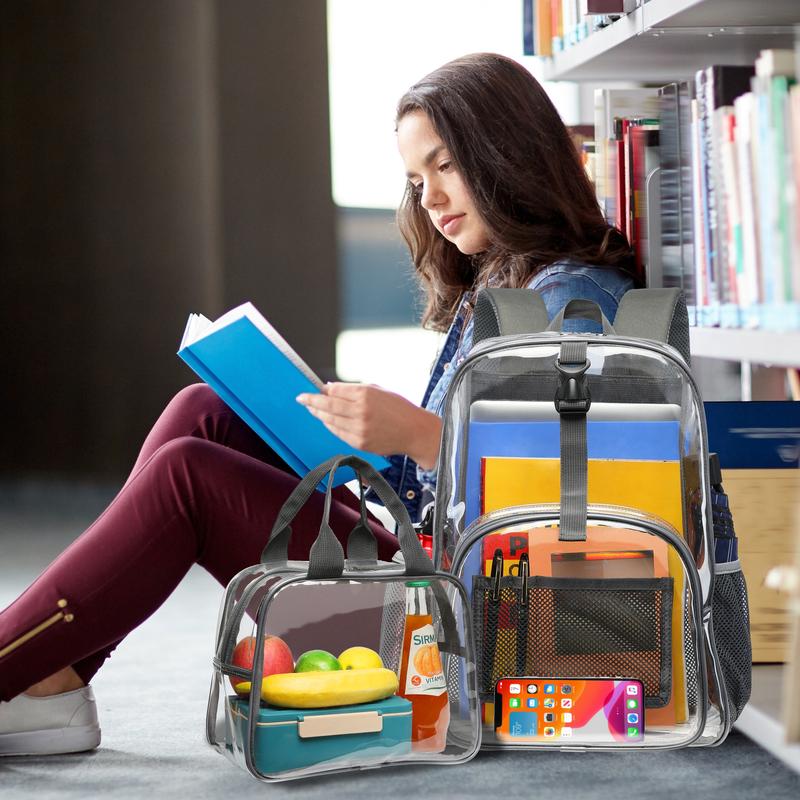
column 573, row 501
column 352, row 714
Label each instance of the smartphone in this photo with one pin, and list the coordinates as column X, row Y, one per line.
column 569, row 711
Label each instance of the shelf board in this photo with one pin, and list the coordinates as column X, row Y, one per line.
column 761, row 719
column 775, row 348
column 668, row 40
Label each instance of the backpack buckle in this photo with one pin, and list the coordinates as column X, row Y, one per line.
column 572, row 396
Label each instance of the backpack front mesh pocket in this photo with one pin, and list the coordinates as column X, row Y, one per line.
column 576, row 627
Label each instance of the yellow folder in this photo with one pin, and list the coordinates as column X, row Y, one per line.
column 652, row 487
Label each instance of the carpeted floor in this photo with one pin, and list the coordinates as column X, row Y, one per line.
column 152, row 696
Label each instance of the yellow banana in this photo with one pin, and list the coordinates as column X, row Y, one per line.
column 326, row 689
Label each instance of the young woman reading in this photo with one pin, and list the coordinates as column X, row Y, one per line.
column 496, row 196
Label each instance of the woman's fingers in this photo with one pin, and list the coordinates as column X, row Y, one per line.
column 328, row 404
column 348, row 429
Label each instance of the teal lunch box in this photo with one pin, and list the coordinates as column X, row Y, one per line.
column 293, row 738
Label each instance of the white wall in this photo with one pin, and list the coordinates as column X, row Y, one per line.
column 376, row 50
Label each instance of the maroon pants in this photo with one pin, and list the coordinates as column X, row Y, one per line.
column 204, row 489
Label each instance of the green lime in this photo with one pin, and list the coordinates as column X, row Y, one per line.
column 317, row 661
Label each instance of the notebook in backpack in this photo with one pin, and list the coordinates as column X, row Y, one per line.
column 574, row 502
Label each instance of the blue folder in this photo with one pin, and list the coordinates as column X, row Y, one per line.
column 634, row 440
column 260, row 384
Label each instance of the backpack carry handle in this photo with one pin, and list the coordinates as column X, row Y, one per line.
column 578, row 308
column 326, row 559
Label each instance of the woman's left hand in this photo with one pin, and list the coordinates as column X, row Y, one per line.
column 373, row 419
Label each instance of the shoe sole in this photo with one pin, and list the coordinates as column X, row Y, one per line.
column 58, row 741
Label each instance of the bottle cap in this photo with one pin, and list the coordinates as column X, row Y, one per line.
column 418, row 583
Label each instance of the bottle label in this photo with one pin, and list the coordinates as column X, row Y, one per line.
column 424, row 674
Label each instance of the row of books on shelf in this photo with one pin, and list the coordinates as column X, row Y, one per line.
column 550, row 26
column 703, row 176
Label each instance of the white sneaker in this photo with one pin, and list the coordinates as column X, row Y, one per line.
column 60, row 723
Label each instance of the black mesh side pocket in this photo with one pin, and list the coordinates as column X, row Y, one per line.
column 604, row 628
column 731, row 617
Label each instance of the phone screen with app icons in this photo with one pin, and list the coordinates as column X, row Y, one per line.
column 569, row 711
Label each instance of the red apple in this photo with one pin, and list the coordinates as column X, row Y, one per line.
column 277, row 657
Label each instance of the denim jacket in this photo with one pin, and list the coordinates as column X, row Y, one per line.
column 557, row 283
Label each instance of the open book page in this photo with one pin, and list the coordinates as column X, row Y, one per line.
column 198, row 327
column 195, row 326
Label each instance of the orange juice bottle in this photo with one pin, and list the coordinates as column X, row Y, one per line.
column 421, row 677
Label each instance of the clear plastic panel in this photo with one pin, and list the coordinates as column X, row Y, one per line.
column 594, row 643
column 329, row 695
column 501, row 421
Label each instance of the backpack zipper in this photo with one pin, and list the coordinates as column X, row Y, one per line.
column 61, row 614
column 515, row 515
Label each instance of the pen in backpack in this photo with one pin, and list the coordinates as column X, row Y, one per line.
column 492, row 630
column 524, row 570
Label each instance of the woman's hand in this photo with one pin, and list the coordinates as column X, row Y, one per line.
column 370, row 418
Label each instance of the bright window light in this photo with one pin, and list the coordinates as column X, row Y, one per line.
column 376, row 50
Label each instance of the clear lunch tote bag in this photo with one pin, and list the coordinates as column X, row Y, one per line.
column 337, row 664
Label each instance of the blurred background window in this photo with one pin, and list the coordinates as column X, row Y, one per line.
column 376, row 50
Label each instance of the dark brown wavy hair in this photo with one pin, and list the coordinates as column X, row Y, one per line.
column 524, row 174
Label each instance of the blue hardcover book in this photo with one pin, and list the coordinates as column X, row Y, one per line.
column 754, row 435
column 255, row 372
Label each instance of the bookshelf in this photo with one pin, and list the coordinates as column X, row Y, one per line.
column 669, row 40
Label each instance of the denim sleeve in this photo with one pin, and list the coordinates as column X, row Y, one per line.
column 558, row 288
column 401, row 476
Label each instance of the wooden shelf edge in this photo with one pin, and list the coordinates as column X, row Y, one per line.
column 693, row 34
column 775, row 348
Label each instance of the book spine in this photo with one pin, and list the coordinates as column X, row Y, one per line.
column 748, row 270
column 733, row 220
column 670, row 187
column 543, row 39
column 794, row 194
column 620, row 178
column 626, row 181
column 708, row 189
column 528, row 27
column 557, row 25
column 701, row 208
column 764, row 192
column 719, row 219
column 685, row 193
column 779, row 100
column 649, row 235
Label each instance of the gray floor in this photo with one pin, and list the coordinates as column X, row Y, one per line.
column 152, row 717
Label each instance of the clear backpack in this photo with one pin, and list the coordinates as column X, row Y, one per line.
column 574, row 503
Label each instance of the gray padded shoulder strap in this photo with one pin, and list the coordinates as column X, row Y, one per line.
column 501, row 312
column 658, row 314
